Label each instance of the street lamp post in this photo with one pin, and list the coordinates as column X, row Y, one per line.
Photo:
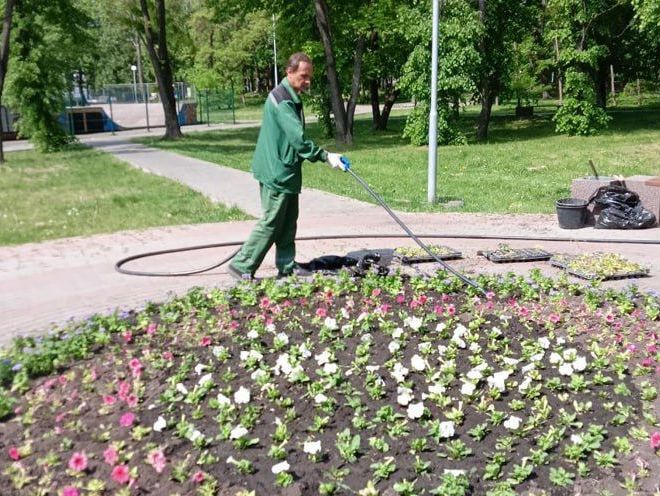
column 134, row 69
column 433, row 115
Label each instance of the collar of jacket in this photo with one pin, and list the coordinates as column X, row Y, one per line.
column 292, row 92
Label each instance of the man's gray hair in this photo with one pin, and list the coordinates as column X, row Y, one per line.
column 296, row 59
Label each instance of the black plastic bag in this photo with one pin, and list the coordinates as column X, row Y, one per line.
column 614, row 196
column 625, row 218
column 620, row 208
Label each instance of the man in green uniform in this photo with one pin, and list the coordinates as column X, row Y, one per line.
column 281, row 149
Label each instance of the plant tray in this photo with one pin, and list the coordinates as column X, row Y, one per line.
column 516, row 255
column 564, row 262
column 417, row 255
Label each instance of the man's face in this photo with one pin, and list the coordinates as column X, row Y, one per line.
column 300, row 79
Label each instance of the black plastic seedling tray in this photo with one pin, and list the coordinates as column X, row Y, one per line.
column 516, row 255
column 447, row 253
column 563, row 262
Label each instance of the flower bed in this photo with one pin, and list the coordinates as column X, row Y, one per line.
column 336, row 385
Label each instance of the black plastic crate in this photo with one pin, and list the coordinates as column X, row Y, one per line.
column 564, row 261
column 444, row 253
column 516, row 255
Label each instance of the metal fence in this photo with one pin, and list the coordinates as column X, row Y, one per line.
column 136, row 106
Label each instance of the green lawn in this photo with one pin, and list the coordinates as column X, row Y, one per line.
column 82, row 191
column 524, row 167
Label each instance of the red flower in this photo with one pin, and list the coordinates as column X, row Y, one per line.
column 205, row 341
column 655, row 440
column 14, row 454
column 198, row 477
column 78, row 462
column 109, row 399
column 70, row 491
column 127, row 419
column 120, row 474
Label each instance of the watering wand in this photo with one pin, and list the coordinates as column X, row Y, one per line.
column 422, row 245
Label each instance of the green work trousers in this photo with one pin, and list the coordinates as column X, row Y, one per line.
column 278, row 225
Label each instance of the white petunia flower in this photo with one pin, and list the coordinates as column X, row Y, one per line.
column 399, row 372
column 223, row 400
column 330, row 368
column 194, row 435
column 242, row 396
column 580, row 363
column 474, row 374
column 258, row 374
column 159, row 424
column 417, row 363
column 312, row 447
column 544, row 342
column 304, row 351
column 415, row 410
column 205, row 378
column 447, row 429
column 413, row 322
column 282, row 338
column 344, row 313
column 199, row 368
column 498, row 380
column 270, row 328
column 320, row 398
column 424, row 347
column 475, row 348
column 566, row 369
column 561, row 340
column 253, row 334
column 323, row 358
column 576, row 438
column 181, row 388
column 467, row 388
column 569, row 354
column 362, row 316
column 555, row 358
column 510, row 361
column 366, row 338
column 404, row 395
column 372, row 368
column 455, row 472
column 437, row 389
column 524, row 385
column 512, row 422
column 538, row 357
column 440, row 327
column 528, row 368
column 458, row 342
column 397, row 333
column 282, row 365
column 238, row 432
column 218, row 350
column 393, row 346
column 330, row 323
column 280, row 467
column 441, row 349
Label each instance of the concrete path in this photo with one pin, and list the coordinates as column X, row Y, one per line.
column 45, row 284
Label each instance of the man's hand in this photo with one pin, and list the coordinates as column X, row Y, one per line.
column 338, row 161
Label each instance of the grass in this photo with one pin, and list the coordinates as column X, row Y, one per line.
column 81, row 191
column 523, row 168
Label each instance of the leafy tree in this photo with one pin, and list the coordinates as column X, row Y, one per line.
column 46, row 41
column 5, row 39
column 575, row 24
column 458, row 61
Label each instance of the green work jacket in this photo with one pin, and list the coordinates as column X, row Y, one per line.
column 282, row 146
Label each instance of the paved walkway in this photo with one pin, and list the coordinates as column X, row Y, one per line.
column 44, row 284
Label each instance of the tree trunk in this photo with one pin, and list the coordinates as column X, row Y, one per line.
column 355, row 86
column 323, row 23
column 601, row 83
column 156, row 43
column 487, row 99
column 4, row 59
column 375, row 103
column 390, row 97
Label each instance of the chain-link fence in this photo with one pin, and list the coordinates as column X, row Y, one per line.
column 135, row 106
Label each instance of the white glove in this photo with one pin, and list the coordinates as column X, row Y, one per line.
column 335, row 160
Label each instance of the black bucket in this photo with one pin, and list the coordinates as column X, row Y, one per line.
column 571, row 213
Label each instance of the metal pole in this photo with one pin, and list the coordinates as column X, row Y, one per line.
column 112, row 116
column 146, row 103
column 274, row 53
column 433, row 115
column 231, row 101
column 208, row 116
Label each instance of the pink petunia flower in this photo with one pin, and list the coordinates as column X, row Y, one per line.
column 167, row 355
column 451, row 309
column 151, row 328
column 110, row 455
column 14, row 453
column 157, row 460
column 127, row 419
column 321, row 312
column 205, row 341
column 128, row 336
column 554, row 318
column 70, row 491
column 120, row 474
column 78, row 462
column 655, row 440
column 400, row 299
column 523, row 311
column 490, row 295
column 609, row 317
column 131, row 400
column 109, row 399
column 198, row 477
column 136, row 367
column 631, row 348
